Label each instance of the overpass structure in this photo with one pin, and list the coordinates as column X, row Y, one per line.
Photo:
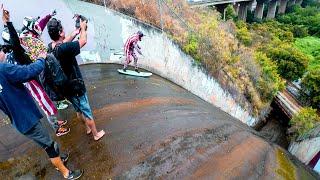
column 241, row 6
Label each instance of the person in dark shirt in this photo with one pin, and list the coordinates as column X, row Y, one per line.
column 66, row 50
column 18, row 105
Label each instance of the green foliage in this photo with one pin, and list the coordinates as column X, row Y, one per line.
column 274, row 30
column 299, row 31
column 311, row 86
column 311, row 47
column 304, row 121
column 191, row 47
column 308, row 17
column 291, row 62
column 230, row 13
column 270, row 82
column 243, row 34
column 314, row 3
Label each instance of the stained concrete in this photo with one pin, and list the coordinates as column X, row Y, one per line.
column 157, row 130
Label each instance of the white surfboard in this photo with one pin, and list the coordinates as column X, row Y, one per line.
column 134, row 73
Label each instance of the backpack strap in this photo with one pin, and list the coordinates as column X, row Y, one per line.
column 50, row 49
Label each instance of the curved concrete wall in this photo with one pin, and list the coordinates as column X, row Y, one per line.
column 307, row 146
column 108, row 31
column 306, row 149
column 161, row 56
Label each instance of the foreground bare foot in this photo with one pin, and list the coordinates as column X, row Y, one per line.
column 99, row 135
column 88, row 130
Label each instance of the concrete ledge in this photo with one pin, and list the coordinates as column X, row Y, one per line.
column 161, row 56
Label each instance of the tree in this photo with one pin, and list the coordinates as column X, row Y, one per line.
column 311, row 86
column 308, row 17
column 230, row 13
column 292, row 63
column 270, row 82
column 243, row 34
column 304, row 121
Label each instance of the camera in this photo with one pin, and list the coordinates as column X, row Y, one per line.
column 78, row 17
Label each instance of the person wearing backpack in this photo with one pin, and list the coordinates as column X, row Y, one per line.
column 17, row 55
column 33, row 27
column 18, row 105
column 66, row 50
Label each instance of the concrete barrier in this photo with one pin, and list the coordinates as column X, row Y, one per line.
column 161, row 56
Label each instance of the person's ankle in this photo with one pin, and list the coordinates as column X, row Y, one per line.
column 66, row 174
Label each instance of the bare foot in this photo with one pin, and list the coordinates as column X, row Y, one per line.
column 88, row 130
column 99, row 135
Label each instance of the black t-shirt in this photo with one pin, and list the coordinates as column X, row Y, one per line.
column 66, row 53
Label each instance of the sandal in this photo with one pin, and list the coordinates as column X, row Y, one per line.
column 62, row 131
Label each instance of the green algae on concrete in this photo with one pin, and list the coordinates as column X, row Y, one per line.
column 285, row 167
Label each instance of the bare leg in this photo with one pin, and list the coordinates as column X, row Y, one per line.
column 135, row 58
column 92, row 125
column 80, row 116
column 126, row 63
column 57, row 162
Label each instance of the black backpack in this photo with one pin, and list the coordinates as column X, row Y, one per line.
column 53, row 78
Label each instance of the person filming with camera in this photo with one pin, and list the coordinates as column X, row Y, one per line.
column 66, row 50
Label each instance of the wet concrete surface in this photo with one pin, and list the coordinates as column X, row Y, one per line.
column 157, row 130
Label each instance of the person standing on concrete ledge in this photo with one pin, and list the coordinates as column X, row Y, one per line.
column 130, row 47
column 66, row 50
column 17, row 104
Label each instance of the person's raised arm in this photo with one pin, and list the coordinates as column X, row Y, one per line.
column 14, row 39
column 83, row 33
column 71, row 36
column 21, row 74
column 44, row 21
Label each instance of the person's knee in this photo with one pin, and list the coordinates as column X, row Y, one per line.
column 53, row 150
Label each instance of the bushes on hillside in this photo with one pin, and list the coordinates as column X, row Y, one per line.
column 230, row 12
column 276, row 41
column 310, row 46
column 273, row 30
column 311, row 87
column 270, row 82
column 292, row 63
column 243, row 33
column 303, row 121
column 192, row 46
column 308, row 17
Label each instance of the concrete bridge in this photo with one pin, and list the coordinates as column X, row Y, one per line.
column 242, row 6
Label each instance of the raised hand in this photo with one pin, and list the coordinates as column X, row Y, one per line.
column 54, row 12
column 83, row 25
column 5, row 15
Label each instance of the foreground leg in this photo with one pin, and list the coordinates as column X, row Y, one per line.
column 39, row 135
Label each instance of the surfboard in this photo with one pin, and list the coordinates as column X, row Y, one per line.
column 134, row 73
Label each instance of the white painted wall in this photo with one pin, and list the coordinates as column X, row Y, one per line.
column 306, row 149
